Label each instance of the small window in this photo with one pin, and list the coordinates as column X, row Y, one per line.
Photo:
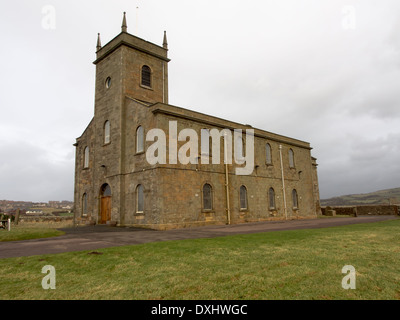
column 108, row 82
column 139, row 139
column 268, row 154
column 84, row 204
column 107, row 132
column 271, row 197
column 243, row 198
column 294, row 199
column 291, row 158
column 207, row 197
column 139, row 199
column 146, row 76
column 86, row 158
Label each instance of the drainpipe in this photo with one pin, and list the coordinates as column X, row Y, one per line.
column 228, row 211
column 283, row 182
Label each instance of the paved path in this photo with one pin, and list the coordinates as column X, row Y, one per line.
column 100, row 236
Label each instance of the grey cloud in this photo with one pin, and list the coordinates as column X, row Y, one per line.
column 284, row 66
column 28, row 173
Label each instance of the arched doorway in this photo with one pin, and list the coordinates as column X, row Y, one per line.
column 105, row 203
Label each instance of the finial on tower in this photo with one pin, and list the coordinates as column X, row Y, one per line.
column 165, row 43
column 98, row 47
column 124, row 27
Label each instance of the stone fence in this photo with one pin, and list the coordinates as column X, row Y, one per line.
column 49, row 220
column 361, row 210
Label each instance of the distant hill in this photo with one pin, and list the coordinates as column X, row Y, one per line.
column 387, row 196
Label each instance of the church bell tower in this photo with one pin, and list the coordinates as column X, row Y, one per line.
column 128, row 65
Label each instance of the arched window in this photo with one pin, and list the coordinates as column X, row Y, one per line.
column 291, row 158
column 108, row 82
column 107, row 132
column 243, row 198
column 139, row 198
column 207, row 197
column 146, row 76
column 139, row 139
column 84, row 204
column 268, row 154
column 271, row 197
column 86, row 158
column 295, row 199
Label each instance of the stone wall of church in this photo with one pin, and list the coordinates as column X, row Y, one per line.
column 84, row 176
column 134, row 60
column 173, row 192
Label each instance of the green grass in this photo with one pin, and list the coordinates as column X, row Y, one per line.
column 298, row 264
column 26, row 233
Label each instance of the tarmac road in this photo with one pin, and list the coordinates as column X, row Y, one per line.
column 101, row 236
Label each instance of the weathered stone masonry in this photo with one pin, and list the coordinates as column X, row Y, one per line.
column 107, row 191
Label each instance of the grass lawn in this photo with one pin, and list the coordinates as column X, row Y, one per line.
column 25, row 233
column 297, row 264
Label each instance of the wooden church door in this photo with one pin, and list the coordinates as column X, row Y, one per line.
column 105, row 204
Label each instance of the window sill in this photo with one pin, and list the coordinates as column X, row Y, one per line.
column 146, row 87
column 138, row 153
column 106, row 144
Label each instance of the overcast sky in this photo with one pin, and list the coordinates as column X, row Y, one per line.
column 326, row 72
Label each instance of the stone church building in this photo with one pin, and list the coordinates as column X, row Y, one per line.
column 118, row 183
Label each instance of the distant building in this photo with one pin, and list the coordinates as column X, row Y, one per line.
column 34, row 212
column 116, row 183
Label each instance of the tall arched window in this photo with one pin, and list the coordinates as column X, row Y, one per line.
column 84, row 204
column 295, row 199
column 243, row 198
column 207, row 197
column 271, row 198
column 146, row 76
column 107, row 132
column 268, row 154
column 139, row 139
column 86, row 158
column 291, row 158
column 139, row 198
